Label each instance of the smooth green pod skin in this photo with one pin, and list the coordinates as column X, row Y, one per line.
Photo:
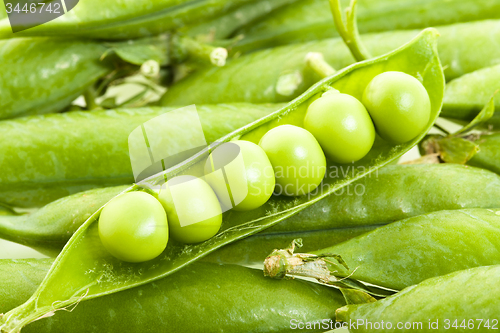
column 291, row 151
column 125, row 19
column 252, row 182
column 202, row 298
column 412, row 250
column 470, row 294
column 385, row 197
column 48, row 229
column 312, row 20
column 398, row 104
column 133, row 227
column 488, row 156
column 463, row 48
column 342, row 127
column 222, row 27
column 465, row 96
column 46, row 75
column 193, row 210
column 88, row 149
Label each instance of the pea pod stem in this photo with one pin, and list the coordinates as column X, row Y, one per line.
column 317, row 63
column 349, row 30
column 90, row 95
column 187, row 47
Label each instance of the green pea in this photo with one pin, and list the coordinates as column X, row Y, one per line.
column 398, row 104
column 193, row 210
column 133, row 227
column 245, row 168
column 298, row 161
column 341, row 125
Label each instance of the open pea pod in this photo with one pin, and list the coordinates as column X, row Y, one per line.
column 85, row 270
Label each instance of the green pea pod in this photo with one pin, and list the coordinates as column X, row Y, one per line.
column 88, row 269
column 409, row 251
column 461, row 301
column 222, row 27
column 281, row 74
column 465, row 96
column 56, row 71
column 94, row 155
column 125, row 19
column 488, row 156
column 48, row 229
column 396, row 192
column 311, row 19
column 203, row 298
column 46, row 75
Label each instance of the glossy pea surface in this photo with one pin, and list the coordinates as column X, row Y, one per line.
column 133, row 227
column 341, row 125
column 246, row 169
column 399, row 106
column 298, row 161
column 193, row 210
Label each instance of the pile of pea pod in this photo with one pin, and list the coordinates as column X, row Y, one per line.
column 389, row 106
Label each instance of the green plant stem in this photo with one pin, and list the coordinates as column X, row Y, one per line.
column 90, row 95
column 186, row 47
column 442, row 129
column 317, row 63
column 349, row 30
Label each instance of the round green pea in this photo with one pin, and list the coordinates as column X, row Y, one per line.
column 298, row 161
column 133, row 227
column 243, row 167
column 193, row 210
column 399, row 106
column 341, row 125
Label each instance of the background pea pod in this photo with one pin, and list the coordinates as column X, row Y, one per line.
column 488, row 156
column 204, row 297
column 311, row 19
column 54, row 72
column 280, row 74
column 107, row 275
column 88, row 149
column 225, row 25
column 49, row 228
column 409, row 251
column 125, row 19
column 394, row 193
column 468, row 296
column 465, row 96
